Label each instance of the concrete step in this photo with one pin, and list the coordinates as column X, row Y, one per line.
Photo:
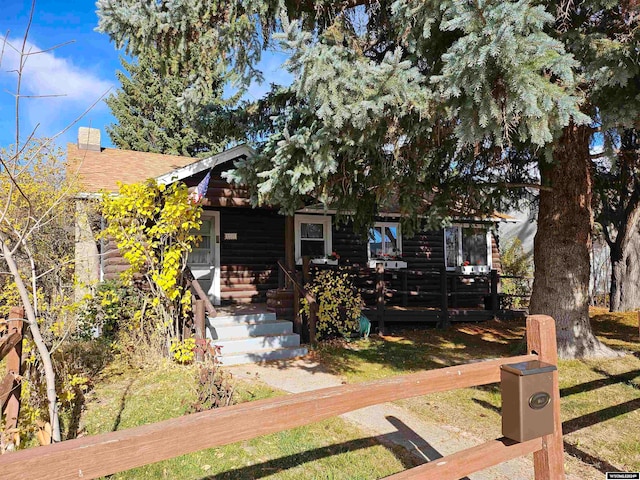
column 249, row 329
column 250, row 344
column 239, row 295
column 240, row 319
column 264, row 355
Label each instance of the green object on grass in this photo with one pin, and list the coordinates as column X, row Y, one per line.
column 365, row 326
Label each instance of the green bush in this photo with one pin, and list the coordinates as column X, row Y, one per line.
column 111, row 307
column 516, row 262
column 339, row 304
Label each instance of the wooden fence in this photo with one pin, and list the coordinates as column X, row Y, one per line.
column 99, row 455
column 11, row 349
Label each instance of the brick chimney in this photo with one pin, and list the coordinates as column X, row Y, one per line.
column 89, row 139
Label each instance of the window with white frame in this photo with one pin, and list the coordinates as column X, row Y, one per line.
column 385, row 241
column 313, row 236
column 467, row 245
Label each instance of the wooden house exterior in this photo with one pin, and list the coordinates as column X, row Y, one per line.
column 237, row 260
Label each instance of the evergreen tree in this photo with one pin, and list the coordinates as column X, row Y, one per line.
column 150, row 119
column 437, row 104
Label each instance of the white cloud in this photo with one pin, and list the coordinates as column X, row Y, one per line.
column 46, row 74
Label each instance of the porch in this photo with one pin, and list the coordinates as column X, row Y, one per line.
column 403, row 296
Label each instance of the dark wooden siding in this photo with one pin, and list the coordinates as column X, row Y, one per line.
column 424, row 254
column 351, row 247
column 248, row 264
column 424, row 250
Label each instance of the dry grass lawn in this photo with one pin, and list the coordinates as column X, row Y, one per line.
column 600, row 398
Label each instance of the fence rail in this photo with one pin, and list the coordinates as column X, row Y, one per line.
column 99, row 455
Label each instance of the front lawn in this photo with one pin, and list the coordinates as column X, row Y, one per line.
column 331, row 449
column 600, row 398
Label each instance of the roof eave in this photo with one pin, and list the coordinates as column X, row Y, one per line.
column 205, row 164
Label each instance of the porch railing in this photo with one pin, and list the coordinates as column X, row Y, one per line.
column 193, row 283
column 441, row 289
column 300, row 292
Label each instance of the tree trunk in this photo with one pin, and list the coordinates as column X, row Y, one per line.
column 625, row 273
column 45, row 355
column 562, row 245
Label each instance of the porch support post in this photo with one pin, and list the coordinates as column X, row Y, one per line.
column 289, row 247
column 494, row 292
column 380, row 297
column 444, row 298
column 200, row 325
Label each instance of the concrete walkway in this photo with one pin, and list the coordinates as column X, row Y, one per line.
column 392, row 425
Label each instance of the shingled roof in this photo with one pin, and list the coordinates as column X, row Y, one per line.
column 100, row 170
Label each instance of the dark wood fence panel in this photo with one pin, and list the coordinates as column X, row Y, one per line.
column 11, row 351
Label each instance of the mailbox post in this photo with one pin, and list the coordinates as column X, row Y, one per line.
column 527, row 400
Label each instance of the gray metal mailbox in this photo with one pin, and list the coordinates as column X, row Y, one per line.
column 527, row 400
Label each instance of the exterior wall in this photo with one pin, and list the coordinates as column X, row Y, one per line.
column 252, row 241
column 350, row 246
column 87, row 258
column 113, row 263
column 248, row 264
column 423, row 251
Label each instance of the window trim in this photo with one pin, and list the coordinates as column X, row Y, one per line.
column 398, row 240
column 325, row 220
column 459, row 253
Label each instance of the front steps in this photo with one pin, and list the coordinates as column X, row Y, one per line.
column 253, row 338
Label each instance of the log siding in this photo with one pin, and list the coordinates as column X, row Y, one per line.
column 248, row 264
column 248, row 256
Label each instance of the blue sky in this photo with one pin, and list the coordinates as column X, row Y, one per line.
column 81, row 71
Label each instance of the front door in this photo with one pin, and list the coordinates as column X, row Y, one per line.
column 204, row 260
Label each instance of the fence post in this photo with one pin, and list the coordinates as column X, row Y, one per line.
column 199, row 317
column 494, row 292
column 548, row 463
column 14, row 367
column 380, row 296
column 444, row 299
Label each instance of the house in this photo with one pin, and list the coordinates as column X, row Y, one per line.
column 236, row 261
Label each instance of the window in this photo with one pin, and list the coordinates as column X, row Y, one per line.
column 313, row 236
column 201, row 255
column 385, row 241
column 466, row 245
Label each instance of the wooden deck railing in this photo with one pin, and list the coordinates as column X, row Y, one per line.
column 441, row 288
column 105, row 454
